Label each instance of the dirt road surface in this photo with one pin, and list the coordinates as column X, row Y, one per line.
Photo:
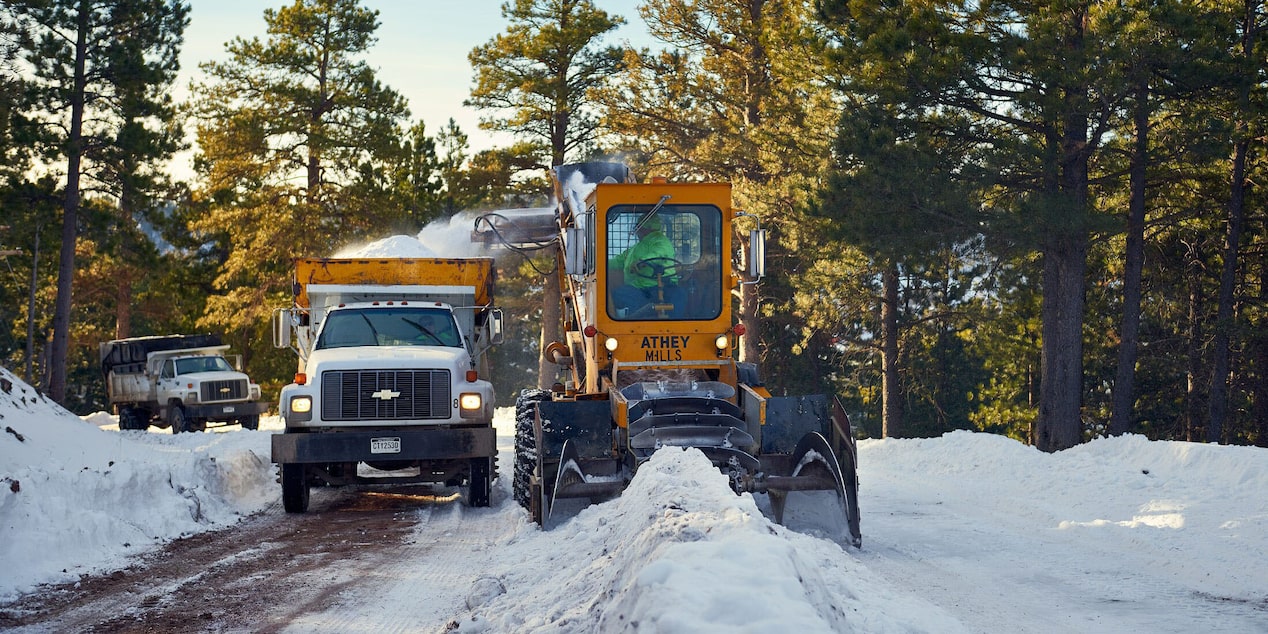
column 400, row 559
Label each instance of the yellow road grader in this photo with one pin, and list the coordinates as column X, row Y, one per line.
column 646, row 280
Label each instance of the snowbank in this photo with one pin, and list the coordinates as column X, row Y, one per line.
column 77, row 498
column 680, row 552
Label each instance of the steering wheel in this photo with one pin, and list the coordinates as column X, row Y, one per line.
column 660, row 264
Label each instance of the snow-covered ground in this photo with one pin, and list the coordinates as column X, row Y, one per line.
column 968, row 532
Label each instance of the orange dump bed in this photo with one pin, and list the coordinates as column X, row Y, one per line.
column 474, row 272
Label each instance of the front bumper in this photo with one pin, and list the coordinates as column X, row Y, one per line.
column 378, row 445
column 226, row 411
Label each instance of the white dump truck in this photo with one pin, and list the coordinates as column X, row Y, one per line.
column 392, row 384
column 178, row 381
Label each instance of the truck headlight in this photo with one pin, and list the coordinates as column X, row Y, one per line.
column 255, row 392
column 301, row 408
column 470, row 404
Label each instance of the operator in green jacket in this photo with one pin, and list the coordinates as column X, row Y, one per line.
column 650, row 274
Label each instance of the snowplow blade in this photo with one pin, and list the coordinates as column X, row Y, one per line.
column 807, row 445
column 574, row 456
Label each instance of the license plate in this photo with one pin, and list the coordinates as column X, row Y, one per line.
column 228, row 409
column 385, row 445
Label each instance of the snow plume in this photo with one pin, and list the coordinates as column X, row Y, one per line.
column 576, row 190
column 680, row 552
column 443, row 238
column 76, row 497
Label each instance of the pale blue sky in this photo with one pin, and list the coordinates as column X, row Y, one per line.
column 421, row 52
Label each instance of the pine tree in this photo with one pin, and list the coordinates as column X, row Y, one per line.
column 297, row 142
column 1031, row 84
column 536, row 76
column 737, row 95
column 85, row 59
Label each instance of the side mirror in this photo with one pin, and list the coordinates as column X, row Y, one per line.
column 495, row 327
column 282, row 328
column 757, row 254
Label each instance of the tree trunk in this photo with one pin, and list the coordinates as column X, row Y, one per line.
column 552, row 287
column 1193, row 373
column 1259, row 411
column 123, row 306
column 1218, row 406
column 1128, row 347
column 70, row 216
column 30, row 309
column 891, row 393
column 1060, row 391
column 552, row 322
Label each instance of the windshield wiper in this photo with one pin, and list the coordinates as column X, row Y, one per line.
column 373, row 331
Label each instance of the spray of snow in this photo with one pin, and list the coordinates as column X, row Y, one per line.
column 576, row 190
column 443, row 238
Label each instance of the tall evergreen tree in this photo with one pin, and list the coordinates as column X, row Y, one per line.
column 85, row 58
column 1030, row 80
column 297, row 138
column 895, row 163
column 1248, row 106
column 536, row 78
column 737, row 95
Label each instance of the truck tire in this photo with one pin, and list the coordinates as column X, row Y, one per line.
column 133, row 418
column 179, row 420
column 294, row 488
column 251, row 422
column 481, row 484
column 525, row 444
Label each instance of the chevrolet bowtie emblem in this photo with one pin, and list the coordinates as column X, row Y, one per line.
column 385, row 394
column 224, row 390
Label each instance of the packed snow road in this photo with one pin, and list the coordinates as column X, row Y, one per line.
column 132, row 531
column 399, row 559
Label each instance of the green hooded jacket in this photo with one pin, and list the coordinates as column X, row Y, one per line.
column 658, row 250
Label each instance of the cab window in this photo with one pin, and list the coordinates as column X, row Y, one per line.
column 664, row 263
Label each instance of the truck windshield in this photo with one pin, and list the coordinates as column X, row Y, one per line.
column 191, row 365
column 397, row 326
column 664, row 263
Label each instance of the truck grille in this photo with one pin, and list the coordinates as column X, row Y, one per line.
column 385, row 395
column 230, row 390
